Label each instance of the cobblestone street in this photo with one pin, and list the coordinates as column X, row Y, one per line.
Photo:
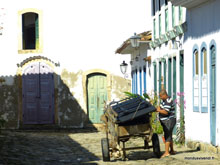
column 82, row 147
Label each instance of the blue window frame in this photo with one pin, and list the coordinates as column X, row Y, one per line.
column 195, row 79
column 160, row 82
column 133, row 81
column 212, row 92
column 145, row 80
column 204, row 79
column 140, row 78
column 155, row 77
column 136, row 82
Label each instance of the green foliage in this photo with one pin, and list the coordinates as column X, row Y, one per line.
column 154, row 100
column 129, row 94
column 155, row 123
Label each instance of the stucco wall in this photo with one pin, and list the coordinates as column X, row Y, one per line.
column 66, row 43
column 203, row 26
column 9, row 101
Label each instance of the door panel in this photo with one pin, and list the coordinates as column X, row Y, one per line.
column 38, row 94
column 30, row 87
column 213, row 97
column 174, row 88
column 169, row 77
column 97, row 94
column 92, row 99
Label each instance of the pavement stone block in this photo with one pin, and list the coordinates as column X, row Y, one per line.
column 84, row 147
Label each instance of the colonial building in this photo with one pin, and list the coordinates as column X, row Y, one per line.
column 140, row 62
column 201, row 44
column 43, row 80
column 168, row 27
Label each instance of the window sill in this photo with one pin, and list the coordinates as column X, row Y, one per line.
column 29, row 51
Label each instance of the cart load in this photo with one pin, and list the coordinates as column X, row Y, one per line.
column 124, row 119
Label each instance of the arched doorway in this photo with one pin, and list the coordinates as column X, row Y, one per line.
column 96, row 95
column 38, row 93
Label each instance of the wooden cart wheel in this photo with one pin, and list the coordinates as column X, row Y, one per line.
column 105, row 149
column 156, row 145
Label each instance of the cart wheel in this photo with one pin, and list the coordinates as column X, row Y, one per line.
column 156, row 145
column 105, row 150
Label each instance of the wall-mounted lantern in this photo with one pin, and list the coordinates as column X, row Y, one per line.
column 135, row 41
column 123, row 67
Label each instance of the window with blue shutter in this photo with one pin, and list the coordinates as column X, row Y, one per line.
column 204, row 79
column 140, row 78
column 195, row 79
column 145, row 80
column 155, row 77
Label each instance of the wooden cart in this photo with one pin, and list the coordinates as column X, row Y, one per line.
column 116, row 133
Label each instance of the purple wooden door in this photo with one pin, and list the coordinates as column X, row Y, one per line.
column 38, row 94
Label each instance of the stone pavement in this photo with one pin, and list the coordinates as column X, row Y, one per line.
column 83, row 146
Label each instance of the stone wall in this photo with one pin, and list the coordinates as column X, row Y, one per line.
column 9, row 101
column 70, row 99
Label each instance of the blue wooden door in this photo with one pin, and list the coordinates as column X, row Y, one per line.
column 181, row 64
column 30, row 94
column 97, row 94
column 213, row 96
column 169, row 77
column 155, row 77
column 38, row 94
column 46, row 99
column 160, row 76
column 174, row 87
column 165, row 74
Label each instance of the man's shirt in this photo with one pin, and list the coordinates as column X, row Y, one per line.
column 168, row 106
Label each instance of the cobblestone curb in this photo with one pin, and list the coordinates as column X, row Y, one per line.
column 203, row 147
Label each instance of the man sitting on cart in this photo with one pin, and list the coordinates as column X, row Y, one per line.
column 168, row 120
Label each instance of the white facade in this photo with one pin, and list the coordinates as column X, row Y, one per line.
column 66, row 37
column 141, row 70
column 203, row 32
column 167, row 55
column 75, row 40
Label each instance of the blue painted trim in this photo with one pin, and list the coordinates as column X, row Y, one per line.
column 203, row 46
column 145, row 80
column 201, row 54
column 155, row 77
column 140, row 78
column 132, row 74
column 136, row 82
column 195, row 109
column 164, row 74
column 195, row 47
column 212, row 43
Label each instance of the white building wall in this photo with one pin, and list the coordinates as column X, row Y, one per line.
column 166, row 50
column 142, row 52
column 203, row 26
column 67, row 37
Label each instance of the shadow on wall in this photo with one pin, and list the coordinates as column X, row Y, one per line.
column 202, row 20
column 39, row 101
column 9, row 101
column 71, row 114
